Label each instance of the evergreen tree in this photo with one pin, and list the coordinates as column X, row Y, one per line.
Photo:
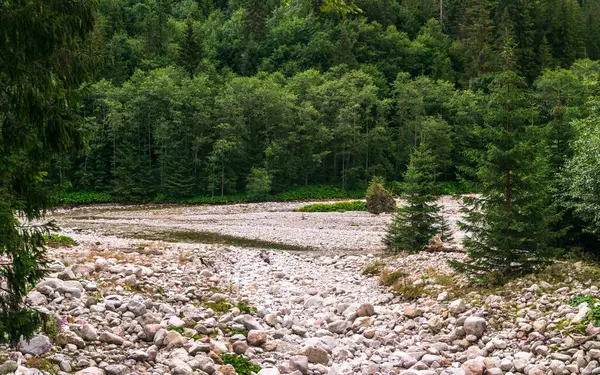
column 190, row 49
column 43, row 62
column 417, row 222
column 477, row 38
column 508, row 224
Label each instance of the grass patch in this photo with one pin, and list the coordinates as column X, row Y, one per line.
column 246, row 309
column 239, row 331
column 218, row 307
column 389, row 278
column 241, row 365
column 41, row 364
column 401, row 284
column 335, row 207
column 56, row 241
column 373, row 269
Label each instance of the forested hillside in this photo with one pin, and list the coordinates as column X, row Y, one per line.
column 202, row 97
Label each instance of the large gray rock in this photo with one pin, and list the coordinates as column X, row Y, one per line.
column 251, row 324
column 38, row 345
column 88, row 332
column 137, row 308
column 475, row 325
column 339, row 326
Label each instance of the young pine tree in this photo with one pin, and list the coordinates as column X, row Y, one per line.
column 508, row 224
column 417, row 222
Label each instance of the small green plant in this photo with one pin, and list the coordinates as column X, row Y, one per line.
column 593, row 316
column 218, row 307
column 390, row 278
column 408, row 290
column 335, row 207
column 50, row 326
column 239, row 331
column 246, row 309
column 41, row 364
column 176, row 329
column 56, row 241
column 241, row 365
column 373, row 269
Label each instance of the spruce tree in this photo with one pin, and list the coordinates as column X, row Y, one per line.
column 508, row 224
column 43, row 62
column 190, row 49
column 417, row 222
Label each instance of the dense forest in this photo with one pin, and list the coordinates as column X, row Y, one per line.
column 196, row 97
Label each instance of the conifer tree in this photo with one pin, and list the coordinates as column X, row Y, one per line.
column 508, row 224
column 190, row 49
column 416, row 223
column 43, row 62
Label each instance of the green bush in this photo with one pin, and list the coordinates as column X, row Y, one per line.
column 241, row 365
column 379, row 200
column 55, row 241
column 335, row 207
column 258, row 184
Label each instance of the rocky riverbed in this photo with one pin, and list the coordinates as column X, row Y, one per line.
column 136, row 306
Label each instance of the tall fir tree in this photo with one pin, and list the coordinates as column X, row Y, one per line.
column 508, row 224
column 417, row 222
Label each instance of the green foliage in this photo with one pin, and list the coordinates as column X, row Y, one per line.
column 416, row 223
column 593, row 316
column 56, row 240
column 246, row 309
column 509, row 224
column 219, row 307
column 176, row 329
column 334, row 207
column 374, row 268
column 580, row 185
column 259, row 183
column 45, row 59
column 241, row 365
column 42, row 364
column 50, row 326
column 239, row 331
column 379, row 200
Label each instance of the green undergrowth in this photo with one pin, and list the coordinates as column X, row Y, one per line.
column 42, row 364
column 301, row 193
column 56, row 240
column 241, row 365
column 593, row 316
column 373, row 269
column 335, row 207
